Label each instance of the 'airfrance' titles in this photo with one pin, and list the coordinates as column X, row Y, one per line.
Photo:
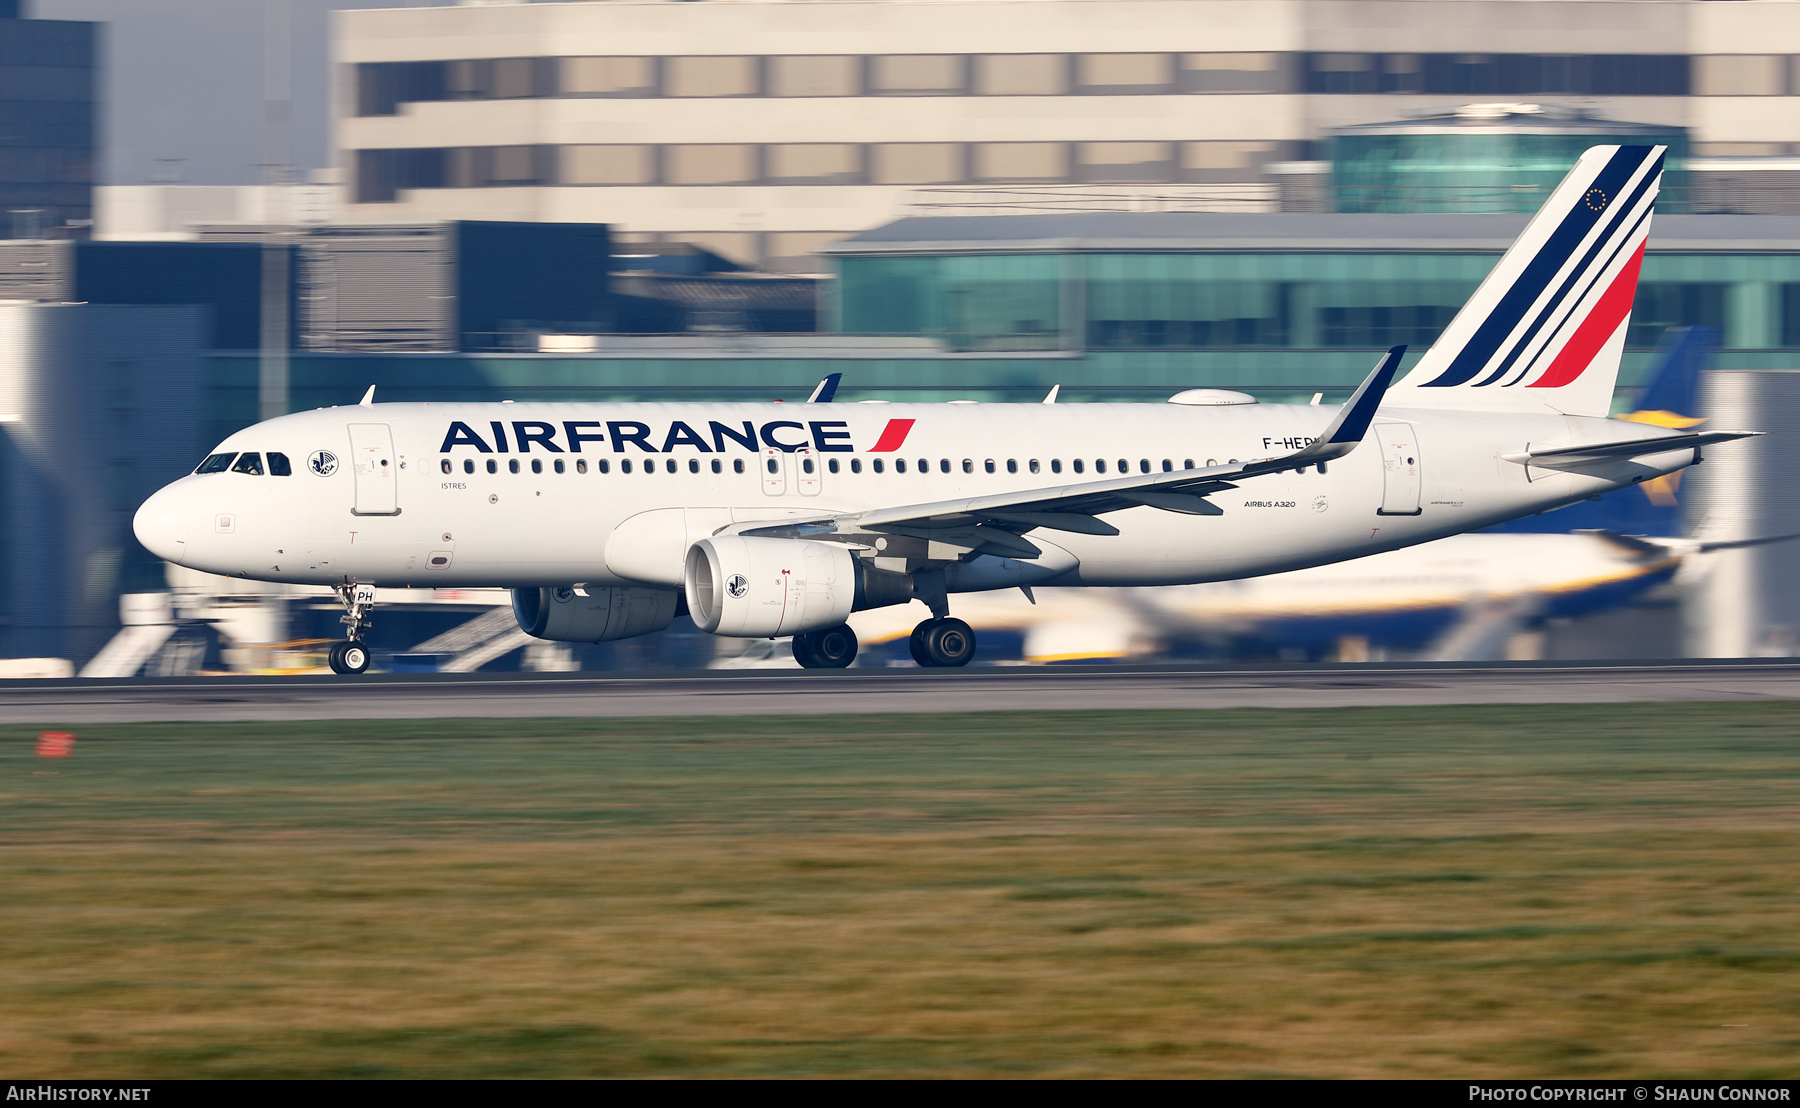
column 824, row 436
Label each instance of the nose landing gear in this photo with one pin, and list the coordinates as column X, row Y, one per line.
column 352, row 657
column 348, row 657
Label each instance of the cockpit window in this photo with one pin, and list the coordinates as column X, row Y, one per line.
column 249, row 462
column 216, row 463
column 278, row 465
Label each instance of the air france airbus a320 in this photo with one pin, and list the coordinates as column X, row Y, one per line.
column 775, row 520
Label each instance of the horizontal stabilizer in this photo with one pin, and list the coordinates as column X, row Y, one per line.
column 1627, row 448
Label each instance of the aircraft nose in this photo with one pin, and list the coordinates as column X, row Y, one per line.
column 161, row 524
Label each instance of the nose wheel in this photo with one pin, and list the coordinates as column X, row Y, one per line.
column 352, row 657
column 826, row 648
column 943, row 643
column 348, row 657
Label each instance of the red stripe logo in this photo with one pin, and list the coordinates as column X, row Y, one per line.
column 1601, row 323
column 893, row 436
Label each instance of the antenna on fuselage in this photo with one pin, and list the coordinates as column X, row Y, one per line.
column 368, row 400
column 1051, row 398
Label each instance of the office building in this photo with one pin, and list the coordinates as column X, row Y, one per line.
column 49, row 124
column 766, row 130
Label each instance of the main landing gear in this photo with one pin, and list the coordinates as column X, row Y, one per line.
column 826, row 648
column 943, row 642
column 940, row 642
column 352, row 657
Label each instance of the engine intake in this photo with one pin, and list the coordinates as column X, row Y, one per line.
column 597, row 615
column 764, row 588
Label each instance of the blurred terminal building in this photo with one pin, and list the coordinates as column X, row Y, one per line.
column 972, row 200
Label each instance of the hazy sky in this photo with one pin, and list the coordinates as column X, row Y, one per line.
column 184, row 79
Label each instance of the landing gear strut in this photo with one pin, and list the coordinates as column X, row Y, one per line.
column 826, row 648
column 351, row 656
column 943, row 642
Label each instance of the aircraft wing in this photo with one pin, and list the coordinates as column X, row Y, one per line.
column 997, row 520
column 1628, row 448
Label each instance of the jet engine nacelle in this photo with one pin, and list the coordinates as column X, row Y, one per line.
column 765, row 588
column 597, row 615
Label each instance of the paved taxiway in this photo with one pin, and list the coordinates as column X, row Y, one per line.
column 764, row 692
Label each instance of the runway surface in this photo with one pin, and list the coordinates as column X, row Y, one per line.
column 734, row 693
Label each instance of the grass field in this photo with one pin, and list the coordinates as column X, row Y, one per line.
column 1497, row 891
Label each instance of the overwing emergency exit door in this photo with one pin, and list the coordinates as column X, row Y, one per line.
column 1399, row 469
column 373, row 464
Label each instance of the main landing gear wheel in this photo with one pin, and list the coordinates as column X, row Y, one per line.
column 943, row 642
column 348, row 657
column 826, row 648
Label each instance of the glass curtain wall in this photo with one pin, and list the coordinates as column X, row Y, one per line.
column 973, row 302
column 1145, row 301
column 1480, row 172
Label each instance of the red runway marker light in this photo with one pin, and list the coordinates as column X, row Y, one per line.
column 55, row 744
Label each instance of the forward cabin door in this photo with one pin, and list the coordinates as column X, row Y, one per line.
column 372, row 461
column 1399, row 469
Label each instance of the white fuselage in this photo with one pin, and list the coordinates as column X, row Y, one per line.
column 425, row 511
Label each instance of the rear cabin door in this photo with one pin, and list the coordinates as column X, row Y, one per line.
column 1399, row 469
column 373, row 463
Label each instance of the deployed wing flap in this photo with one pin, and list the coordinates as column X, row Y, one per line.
column 1185, row 503
column 1057, row 521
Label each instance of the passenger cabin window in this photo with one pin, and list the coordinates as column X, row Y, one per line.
column 1077, row 464
column 468, row 465
column 249, row 462
column 737, row 465
column 580, row 465
column 216, row 463
column 877, row 464
column 512, row 465
column 279, row 466
column 1012, row 465
column 1056, row 466
column 855, row 465
column 444, row 465
column 717, row 467
column 899, row 465
column 558, row 464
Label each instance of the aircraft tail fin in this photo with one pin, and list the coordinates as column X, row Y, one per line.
column 1546, row 329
